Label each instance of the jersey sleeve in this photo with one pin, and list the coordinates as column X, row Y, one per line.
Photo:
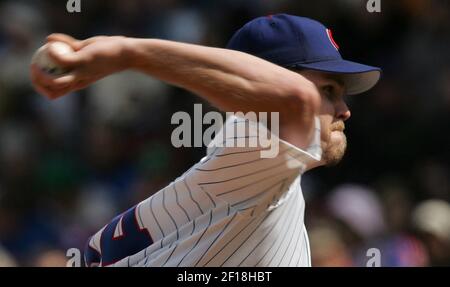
column 241, row 135
column 236, row 171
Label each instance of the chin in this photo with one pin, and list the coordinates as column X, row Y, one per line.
column 335, row 150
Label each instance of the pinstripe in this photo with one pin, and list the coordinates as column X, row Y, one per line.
column 215, row 239
column 252, row 173
column 156, row 219
column 196, row 243
column 281, row 188
column 239, row 152
column 282, row 216
column 168, row 213
column 209, row 156
column 235, row 250
column 190, row 194
column 252, row 183
column 272, row 246
column 243, row 242
column 230, row 166
column 260, row 193
column 226, row 244
column 209, row 196
column 226, row 143
column 239, row 164
column 156, row 253
column 139, row 217
column 295, row 248
column 247, row 208
column 243, row 137
column 289, row 244
column 250, row 215
column 241, row 121
column 193, row 227
column 284, row 238
column 301, row 254
column 170, row 255
column 178, row 202
column 146, row 260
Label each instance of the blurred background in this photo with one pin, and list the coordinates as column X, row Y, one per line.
column 68, row 166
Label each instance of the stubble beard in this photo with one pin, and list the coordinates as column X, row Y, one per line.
column 334, row 150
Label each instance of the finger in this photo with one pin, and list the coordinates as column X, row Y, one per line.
column 43, row 90
column 51, row 93
column 58, row 37
column 82, row 84
column 54, row 82
column 52, row 90
column 59, row 93
column 67, row 60
column 91, row 40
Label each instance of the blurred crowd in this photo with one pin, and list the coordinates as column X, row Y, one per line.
column 70, row 165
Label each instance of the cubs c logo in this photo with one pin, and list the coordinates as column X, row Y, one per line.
column 330, row 37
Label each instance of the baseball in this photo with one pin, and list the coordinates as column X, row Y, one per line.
column 42, row 59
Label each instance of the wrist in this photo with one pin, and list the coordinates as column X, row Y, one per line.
column 132, row 49
column 127, row 53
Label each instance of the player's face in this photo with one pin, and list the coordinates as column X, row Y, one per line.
column 333, row 113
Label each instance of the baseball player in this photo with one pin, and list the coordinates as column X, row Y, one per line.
column 234, row 207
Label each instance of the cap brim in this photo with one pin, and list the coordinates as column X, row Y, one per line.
column 358, row 78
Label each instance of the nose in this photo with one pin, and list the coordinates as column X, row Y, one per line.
column 342, row 111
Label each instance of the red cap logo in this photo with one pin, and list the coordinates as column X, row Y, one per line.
column 330, row 37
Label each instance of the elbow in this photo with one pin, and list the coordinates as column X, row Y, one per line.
column 297, row 118
column 309, row 96
column 304, row 101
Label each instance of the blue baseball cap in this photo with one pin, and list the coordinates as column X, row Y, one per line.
column 298, row 42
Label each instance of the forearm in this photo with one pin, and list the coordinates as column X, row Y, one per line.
column 230, row 80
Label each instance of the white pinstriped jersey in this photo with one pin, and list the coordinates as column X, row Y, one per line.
column 233, row 208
